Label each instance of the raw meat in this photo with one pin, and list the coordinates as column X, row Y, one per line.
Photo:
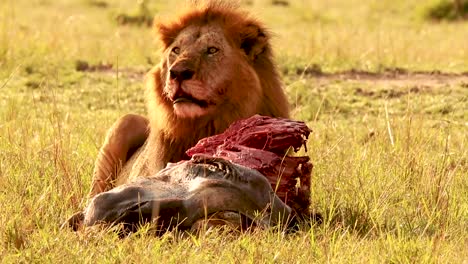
column 264, row 144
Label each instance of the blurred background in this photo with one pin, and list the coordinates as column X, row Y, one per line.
column 323, row 35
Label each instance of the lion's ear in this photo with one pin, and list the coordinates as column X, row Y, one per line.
column 254, row 40
column 165, row 33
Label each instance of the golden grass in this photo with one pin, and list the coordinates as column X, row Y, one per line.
column 397, row 202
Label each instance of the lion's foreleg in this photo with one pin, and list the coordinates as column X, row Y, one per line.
column 122, row 140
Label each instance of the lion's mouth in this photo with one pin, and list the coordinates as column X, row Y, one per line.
column 189, row 99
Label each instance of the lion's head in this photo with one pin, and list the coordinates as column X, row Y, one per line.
column 216, row 68
column 200, row 72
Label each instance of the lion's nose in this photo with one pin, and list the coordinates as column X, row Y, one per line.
column 181, row 73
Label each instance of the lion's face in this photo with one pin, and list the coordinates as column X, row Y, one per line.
column 198, row 71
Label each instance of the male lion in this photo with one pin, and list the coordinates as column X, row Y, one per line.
column 217, row 67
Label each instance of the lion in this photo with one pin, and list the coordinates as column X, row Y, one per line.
column 217, row 67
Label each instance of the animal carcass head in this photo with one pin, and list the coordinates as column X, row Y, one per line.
column 189, row 191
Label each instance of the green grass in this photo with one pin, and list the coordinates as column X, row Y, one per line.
column 390, row 159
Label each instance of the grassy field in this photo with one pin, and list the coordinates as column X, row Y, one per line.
column 385, row 92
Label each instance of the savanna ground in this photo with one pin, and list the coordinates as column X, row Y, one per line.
column 385, row 91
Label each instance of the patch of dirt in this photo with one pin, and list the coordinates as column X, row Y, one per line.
column 84, row 66
column 392, row 93
column 393, row 77
column 138, row 20
column 108, row 68
column 396, row 77
column 98, row 3
column 280, row 3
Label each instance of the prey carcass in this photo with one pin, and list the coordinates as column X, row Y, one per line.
column 244, row 175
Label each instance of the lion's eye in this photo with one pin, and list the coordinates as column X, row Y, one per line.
column 176, row 50
column 212, row 50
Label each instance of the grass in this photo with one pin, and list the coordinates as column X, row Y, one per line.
column 389, row 153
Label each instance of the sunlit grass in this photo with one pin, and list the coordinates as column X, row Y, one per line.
column 390, row 157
